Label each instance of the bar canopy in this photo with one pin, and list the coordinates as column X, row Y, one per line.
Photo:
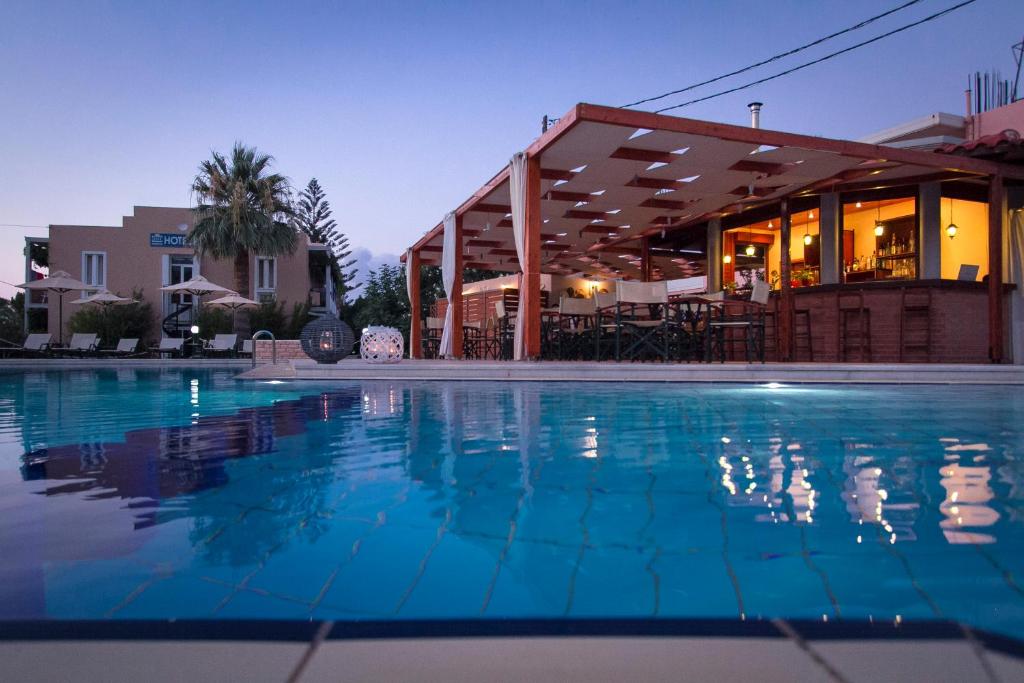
column 610, row 177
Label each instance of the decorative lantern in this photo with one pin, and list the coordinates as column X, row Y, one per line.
column 381, row 344
column 327, row 339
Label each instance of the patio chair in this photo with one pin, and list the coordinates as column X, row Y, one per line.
column 169, row 346
column 246, row 350
column 735, row 321
column 434, row 327
column 473, row 340
column 641, row 320
column 81, row 344
column 505, row 330
column 222, row 344
column 126, row 348
column 574, row 333
column 34, row 345
column 604, row 329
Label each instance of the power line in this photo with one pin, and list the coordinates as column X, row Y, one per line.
column 777, row 57
column 18, row 225
column 820, row 59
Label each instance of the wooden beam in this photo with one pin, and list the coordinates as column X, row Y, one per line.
column 559, row 196
column 492, row 208
column 667, row 204
column 529, row 297
column 647, row 155
column 580, row 213
column 784, row 313
column 457, row 302
column 555, row 174
column 415, row 314
column 996, row 218
column 761, row 136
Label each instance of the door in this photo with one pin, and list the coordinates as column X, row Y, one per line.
column 179, row 269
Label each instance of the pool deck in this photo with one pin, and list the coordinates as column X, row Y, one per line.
column 526, row 650
column 865, row 373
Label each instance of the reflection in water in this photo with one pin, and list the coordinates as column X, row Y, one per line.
column 967, row 494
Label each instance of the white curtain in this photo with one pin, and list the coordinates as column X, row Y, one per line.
column 414, row 316
column 1015, row 274
column 329, row 292
column 517, row 190
column 448, row 280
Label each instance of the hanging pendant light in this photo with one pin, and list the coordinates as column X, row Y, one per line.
column 750, row 250
column 879, row 226
column 727, row 259
column 951, row 229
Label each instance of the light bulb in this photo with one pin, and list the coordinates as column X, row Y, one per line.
column 727, row 259
column 857, row 205
column 750, row 251
column 810, row 215
column 951, row 230
column 879, row 229
column 807, row 239
column 194, row 329
column 770, row 226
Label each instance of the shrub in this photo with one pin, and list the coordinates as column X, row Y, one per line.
column 269, row 316
column 213, row 321
column 112, row 323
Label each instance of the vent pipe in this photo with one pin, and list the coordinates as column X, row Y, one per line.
column 755, row 114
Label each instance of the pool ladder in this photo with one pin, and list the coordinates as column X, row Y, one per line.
column 273, row 346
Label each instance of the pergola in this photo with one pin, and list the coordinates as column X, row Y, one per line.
column 603, row 181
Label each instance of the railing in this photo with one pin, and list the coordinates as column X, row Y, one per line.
column 273, row 346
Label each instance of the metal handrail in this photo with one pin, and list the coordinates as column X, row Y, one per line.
column 273, row 346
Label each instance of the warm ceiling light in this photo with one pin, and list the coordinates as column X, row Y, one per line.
column 807, row 240
column 951, row 230
column 750, row 250
column 770, row 226
column 857, row 205
column 727, row 259
column 810, row 215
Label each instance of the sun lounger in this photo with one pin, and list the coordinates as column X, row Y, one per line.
column 246, row 348
column 171, row 346
column 34, row 345
column 81, row 344
column 222, row 344
column 125, row 348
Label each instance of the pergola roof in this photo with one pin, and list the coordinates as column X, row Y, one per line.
column 611, row 176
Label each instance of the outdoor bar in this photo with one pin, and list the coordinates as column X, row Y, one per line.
column 844, row 251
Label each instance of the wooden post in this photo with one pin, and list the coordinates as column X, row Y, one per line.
column 529, row 297
column 645, row 259
column 785, row 313
column 996, row 218
column 415, row 314
column 728, row 249
column 714, row 259
column 456, row 302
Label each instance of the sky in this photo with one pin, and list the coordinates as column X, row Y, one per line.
column 403, row 109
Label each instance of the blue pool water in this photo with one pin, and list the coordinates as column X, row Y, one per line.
column 183, row 494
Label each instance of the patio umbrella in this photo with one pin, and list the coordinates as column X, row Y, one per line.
column 233, row 301
column 61, row 282
column 197, row 287
column 104, row 299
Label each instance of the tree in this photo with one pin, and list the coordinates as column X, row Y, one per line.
column 241, row 209
column 11, row 319
column 313, row 217
column 384, row 301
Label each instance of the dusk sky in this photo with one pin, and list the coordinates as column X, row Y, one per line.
column 402, row 110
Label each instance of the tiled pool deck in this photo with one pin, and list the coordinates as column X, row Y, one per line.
column 559, row 650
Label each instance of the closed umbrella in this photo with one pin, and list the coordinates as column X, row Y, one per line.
column 233, row 301
column 61, row 282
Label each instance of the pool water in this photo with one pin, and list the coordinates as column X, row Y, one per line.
column 189, row 494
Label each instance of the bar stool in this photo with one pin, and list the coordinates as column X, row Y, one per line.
column 853, row 325
column 804, row 333
column 916, row 309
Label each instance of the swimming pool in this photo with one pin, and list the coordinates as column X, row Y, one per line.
column 156, row 494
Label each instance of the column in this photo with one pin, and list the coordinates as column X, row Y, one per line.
column 529, row 297
column 785, row 311
column 714, row 251
column 645, row 259
column 831, row 232
column 996, row 219
column 456, row 301
column 929, row 208
column 415, row 314
column 728, row 249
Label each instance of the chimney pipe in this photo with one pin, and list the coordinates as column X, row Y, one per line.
column 755, row 114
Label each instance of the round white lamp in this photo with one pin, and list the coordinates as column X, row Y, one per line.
column 380, row 344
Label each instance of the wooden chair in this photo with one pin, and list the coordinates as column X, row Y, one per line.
column 574, row 332
column 641, row 320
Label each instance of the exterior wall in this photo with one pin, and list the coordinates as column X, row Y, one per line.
column 131, row 263
column 287, row 350
column 995, row 121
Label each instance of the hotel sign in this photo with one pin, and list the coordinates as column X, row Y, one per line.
column 168, row 240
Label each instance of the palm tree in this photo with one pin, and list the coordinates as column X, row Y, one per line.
column 241, row 209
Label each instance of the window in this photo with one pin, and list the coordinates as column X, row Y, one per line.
column 969, row 244
column 880, row 239
column 266, row 278
column 94, row 269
